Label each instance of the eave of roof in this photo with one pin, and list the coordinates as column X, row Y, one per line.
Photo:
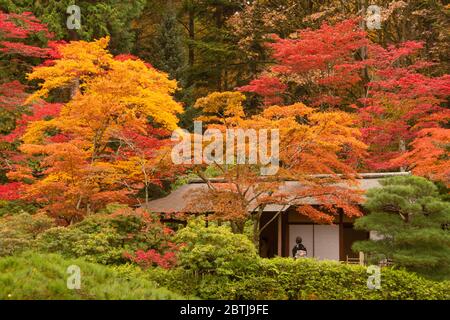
column 178, row 200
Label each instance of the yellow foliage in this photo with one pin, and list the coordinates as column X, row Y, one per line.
column 109, row 93
column 104, row 149
column 80, row 60
column 224, row 107
column 36, row 130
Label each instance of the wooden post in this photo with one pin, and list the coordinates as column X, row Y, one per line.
column 341, row 236
column 280, row 230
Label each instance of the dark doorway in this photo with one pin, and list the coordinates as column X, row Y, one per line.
column 350, row 236
column 268, row 239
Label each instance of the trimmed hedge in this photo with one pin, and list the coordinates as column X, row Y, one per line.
column 44, row 276
column 214, row 250
column 305, row 279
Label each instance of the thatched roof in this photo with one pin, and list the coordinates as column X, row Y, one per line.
column 178, row 200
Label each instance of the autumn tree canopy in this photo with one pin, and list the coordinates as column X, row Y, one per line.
column 102, row 146
column 400, row 107
column 311, row 143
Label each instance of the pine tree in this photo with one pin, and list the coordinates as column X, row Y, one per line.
column 411, row 220
column 168, row 55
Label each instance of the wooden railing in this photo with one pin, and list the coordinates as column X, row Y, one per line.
column 362, row 260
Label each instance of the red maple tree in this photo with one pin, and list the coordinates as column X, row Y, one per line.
column 400, row 102
column 317, row 67
column 18, row 53
column 402, row 110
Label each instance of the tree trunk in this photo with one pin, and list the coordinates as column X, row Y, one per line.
column 256, row 218
column 237, row 227
column 191, row 38
column 402, row 148
column 363, row 51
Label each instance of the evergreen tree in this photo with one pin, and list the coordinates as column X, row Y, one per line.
column 112, row 18
column 168, row 46
column 411, row 220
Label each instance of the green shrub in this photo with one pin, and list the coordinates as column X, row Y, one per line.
column 44, row 276
column 102, row 247
column 214, row 249
column 217, row 264
column 15, row 207
column 286, row 278
column 105, row 238
column 18, row 232
column 129, row 271
column 310, row 279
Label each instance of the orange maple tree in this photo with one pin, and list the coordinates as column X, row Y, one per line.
column 103, row 145
column 429, row 155
column 316, row 149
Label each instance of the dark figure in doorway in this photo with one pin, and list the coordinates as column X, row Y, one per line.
column 299, row 249
column 264, row 248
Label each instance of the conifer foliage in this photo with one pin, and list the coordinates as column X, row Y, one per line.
column 411, row 222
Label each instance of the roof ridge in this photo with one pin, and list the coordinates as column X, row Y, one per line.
column 363, row 175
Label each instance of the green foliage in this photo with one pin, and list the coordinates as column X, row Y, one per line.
column 15, row 207
column 7, row 124
column 44, row 276
column 211, row 171
column 304, row 279
column 167, row 47
column 129, row 271
column 409, row 215
column 217, row 264
column 214, row 249
column 112, row 207
column 102, row 246
column 98, row 19
column 18, row 232
column 105, row 238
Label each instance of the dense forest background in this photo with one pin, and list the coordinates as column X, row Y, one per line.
column 219, row 45
column 276, row 52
